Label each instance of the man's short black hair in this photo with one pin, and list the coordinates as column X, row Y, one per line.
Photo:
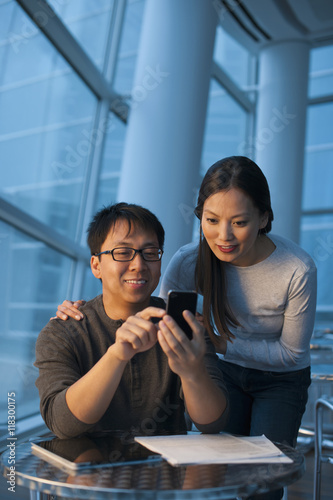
column 135, row 215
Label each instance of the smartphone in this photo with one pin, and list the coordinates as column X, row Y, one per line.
column 178, row 301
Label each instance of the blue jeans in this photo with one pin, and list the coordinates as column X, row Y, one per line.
column 264, row 402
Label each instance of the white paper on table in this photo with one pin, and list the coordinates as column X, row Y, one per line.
column 214, row 448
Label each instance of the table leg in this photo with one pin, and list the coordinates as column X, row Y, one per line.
column 38, row 495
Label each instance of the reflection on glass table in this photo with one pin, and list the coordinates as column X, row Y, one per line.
column 147, row 478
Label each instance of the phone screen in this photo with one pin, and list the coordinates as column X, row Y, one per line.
column 179, row 301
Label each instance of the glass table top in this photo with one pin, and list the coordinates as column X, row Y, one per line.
column 157, row 480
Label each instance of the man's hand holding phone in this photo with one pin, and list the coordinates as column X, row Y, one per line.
column 185, row 351
column 178, row 302
column 180, row 332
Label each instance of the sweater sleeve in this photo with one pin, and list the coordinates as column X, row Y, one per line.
column 292, row 347
column 58, row 370
column 180, row 272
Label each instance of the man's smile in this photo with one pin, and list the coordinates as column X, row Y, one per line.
column 136, row 282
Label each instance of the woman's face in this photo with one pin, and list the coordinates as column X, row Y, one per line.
column 230, row 224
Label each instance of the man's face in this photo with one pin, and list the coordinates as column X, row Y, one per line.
column 127, row 286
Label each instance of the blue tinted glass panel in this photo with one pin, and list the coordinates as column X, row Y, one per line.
column 318, row 170
column 318, row 180
column 129, row 46
column 225, row 130
column 111, row 163
column 34, row 280
column 25, row 55
column 47, row 115
column 317, row 240
column 89, row 22
column 321, row 71
column 320, row 125
column 232, row 58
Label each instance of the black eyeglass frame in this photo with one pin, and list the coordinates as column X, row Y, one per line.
column 136, row 251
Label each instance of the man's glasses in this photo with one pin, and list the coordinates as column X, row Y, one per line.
column 124, row 254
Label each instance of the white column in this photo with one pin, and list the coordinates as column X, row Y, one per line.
column 280, row 135
column 166, row 125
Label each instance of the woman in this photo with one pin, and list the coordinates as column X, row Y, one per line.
column 259, row 300
column 259, row 292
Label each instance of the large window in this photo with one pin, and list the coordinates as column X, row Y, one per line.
column 317, row 220
column 226, row 126
column 230, row 106
column 128, row 49
column 33, row 278
column 229, row 119
column 82, row 17
column 235, row 60
column 61, row 145
column 47, row 113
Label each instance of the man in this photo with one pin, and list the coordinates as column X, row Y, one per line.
column 127, row 365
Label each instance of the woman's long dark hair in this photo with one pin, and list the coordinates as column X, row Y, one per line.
column 232, row 172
